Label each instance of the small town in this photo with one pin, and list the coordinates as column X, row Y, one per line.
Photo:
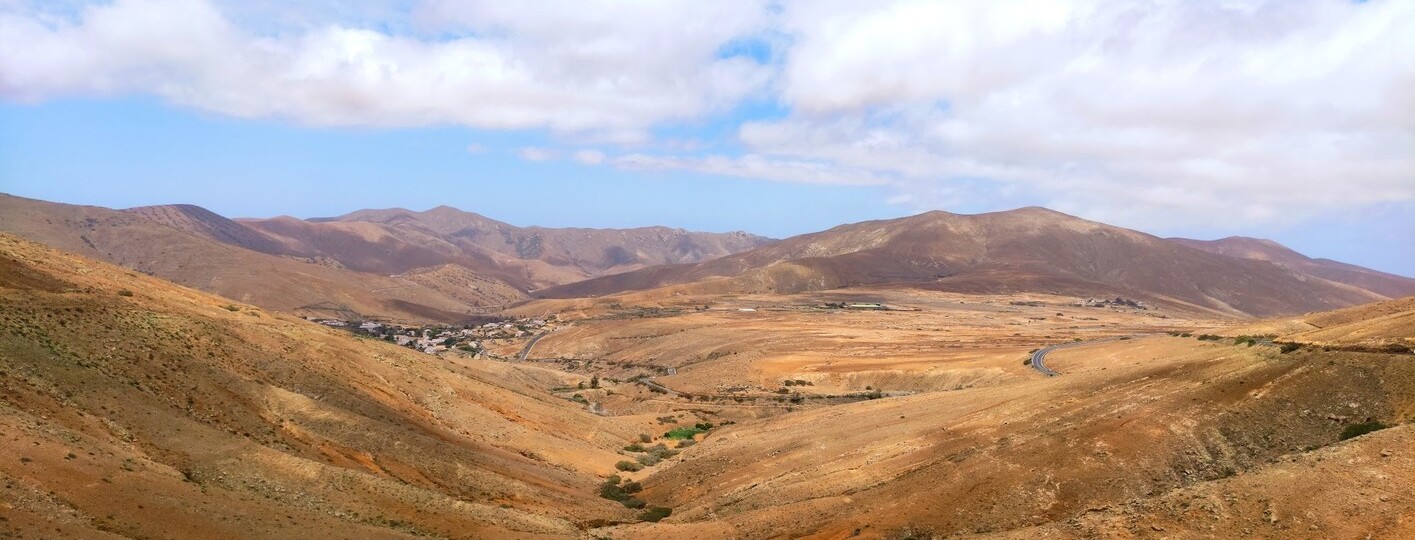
column 433, row 339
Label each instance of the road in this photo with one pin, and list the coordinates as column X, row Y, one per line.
column 1039, row 357
column 532, row 343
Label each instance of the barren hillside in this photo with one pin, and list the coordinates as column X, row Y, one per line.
column 398, row 240
column 1024, row 250
column 132, row 407
column 280, row 283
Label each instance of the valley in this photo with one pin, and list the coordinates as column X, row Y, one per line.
column 134, row 407
column 746, row 270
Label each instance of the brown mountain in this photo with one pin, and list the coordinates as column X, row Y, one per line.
column 1381, row 283
column 188, row 252
column 397, row 240
column 1029, row 249
column 441, row 265
column 135, row 408
column 205, row 223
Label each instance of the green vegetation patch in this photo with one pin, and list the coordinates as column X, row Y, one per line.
column 1357, row 430
column 680, row 433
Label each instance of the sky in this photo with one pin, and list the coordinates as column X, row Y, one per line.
column 1285, row 119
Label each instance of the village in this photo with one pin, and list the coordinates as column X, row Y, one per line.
column 433, row 339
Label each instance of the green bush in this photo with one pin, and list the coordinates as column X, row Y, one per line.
column 1357, row 430
column 682, row 433
column 628, row 466
column 655, row 514
column 632, row 503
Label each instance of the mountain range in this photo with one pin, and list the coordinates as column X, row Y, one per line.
column 439, row 265
column 1027, row 250
column 446, row 264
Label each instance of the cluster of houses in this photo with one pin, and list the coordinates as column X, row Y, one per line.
column 1119, row 302
column 435, row 339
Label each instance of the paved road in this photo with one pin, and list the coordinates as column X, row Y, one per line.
column 1039, row 357
column 532, row 343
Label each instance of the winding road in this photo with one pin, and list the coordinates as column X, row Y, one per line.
column 1039, row 357
column 532, row 343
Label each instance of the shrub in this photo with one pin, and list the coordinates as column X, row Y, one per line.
column 682, row 433
column 648, row 460
column 1249, row 340
column 1357, row 430
column 686, row 443
column 125, row 292
column 232, row 307
column 632, row 503
column 636, row 447
column 632, row 487
column 644, row 437
column 1289, row 347
column 628, row 466
column 612, row 492
column 661, row 451
column 655, row 514
column 1027, row 362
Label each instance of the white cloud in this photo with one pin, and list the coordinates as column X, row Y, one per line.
column 476, row 148
column 589, row 157
column 753, row 166
column 1147, row 113
column 607, row 70
column 531, row 153
column 536, row 154
column 1142, row 112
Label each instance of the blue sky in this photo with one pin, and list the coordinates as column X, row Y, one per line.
column 1281, row 119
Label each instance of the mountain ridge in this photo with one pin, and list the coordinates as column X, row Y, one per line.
column 1044, row 250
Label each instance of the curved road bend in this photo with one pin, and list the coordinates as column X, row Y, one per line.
column 1039, row 357
column 532, row 343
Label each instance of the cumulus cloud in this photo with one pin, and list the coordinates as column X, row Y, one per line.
column 1141, row 112
column 599, row 69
